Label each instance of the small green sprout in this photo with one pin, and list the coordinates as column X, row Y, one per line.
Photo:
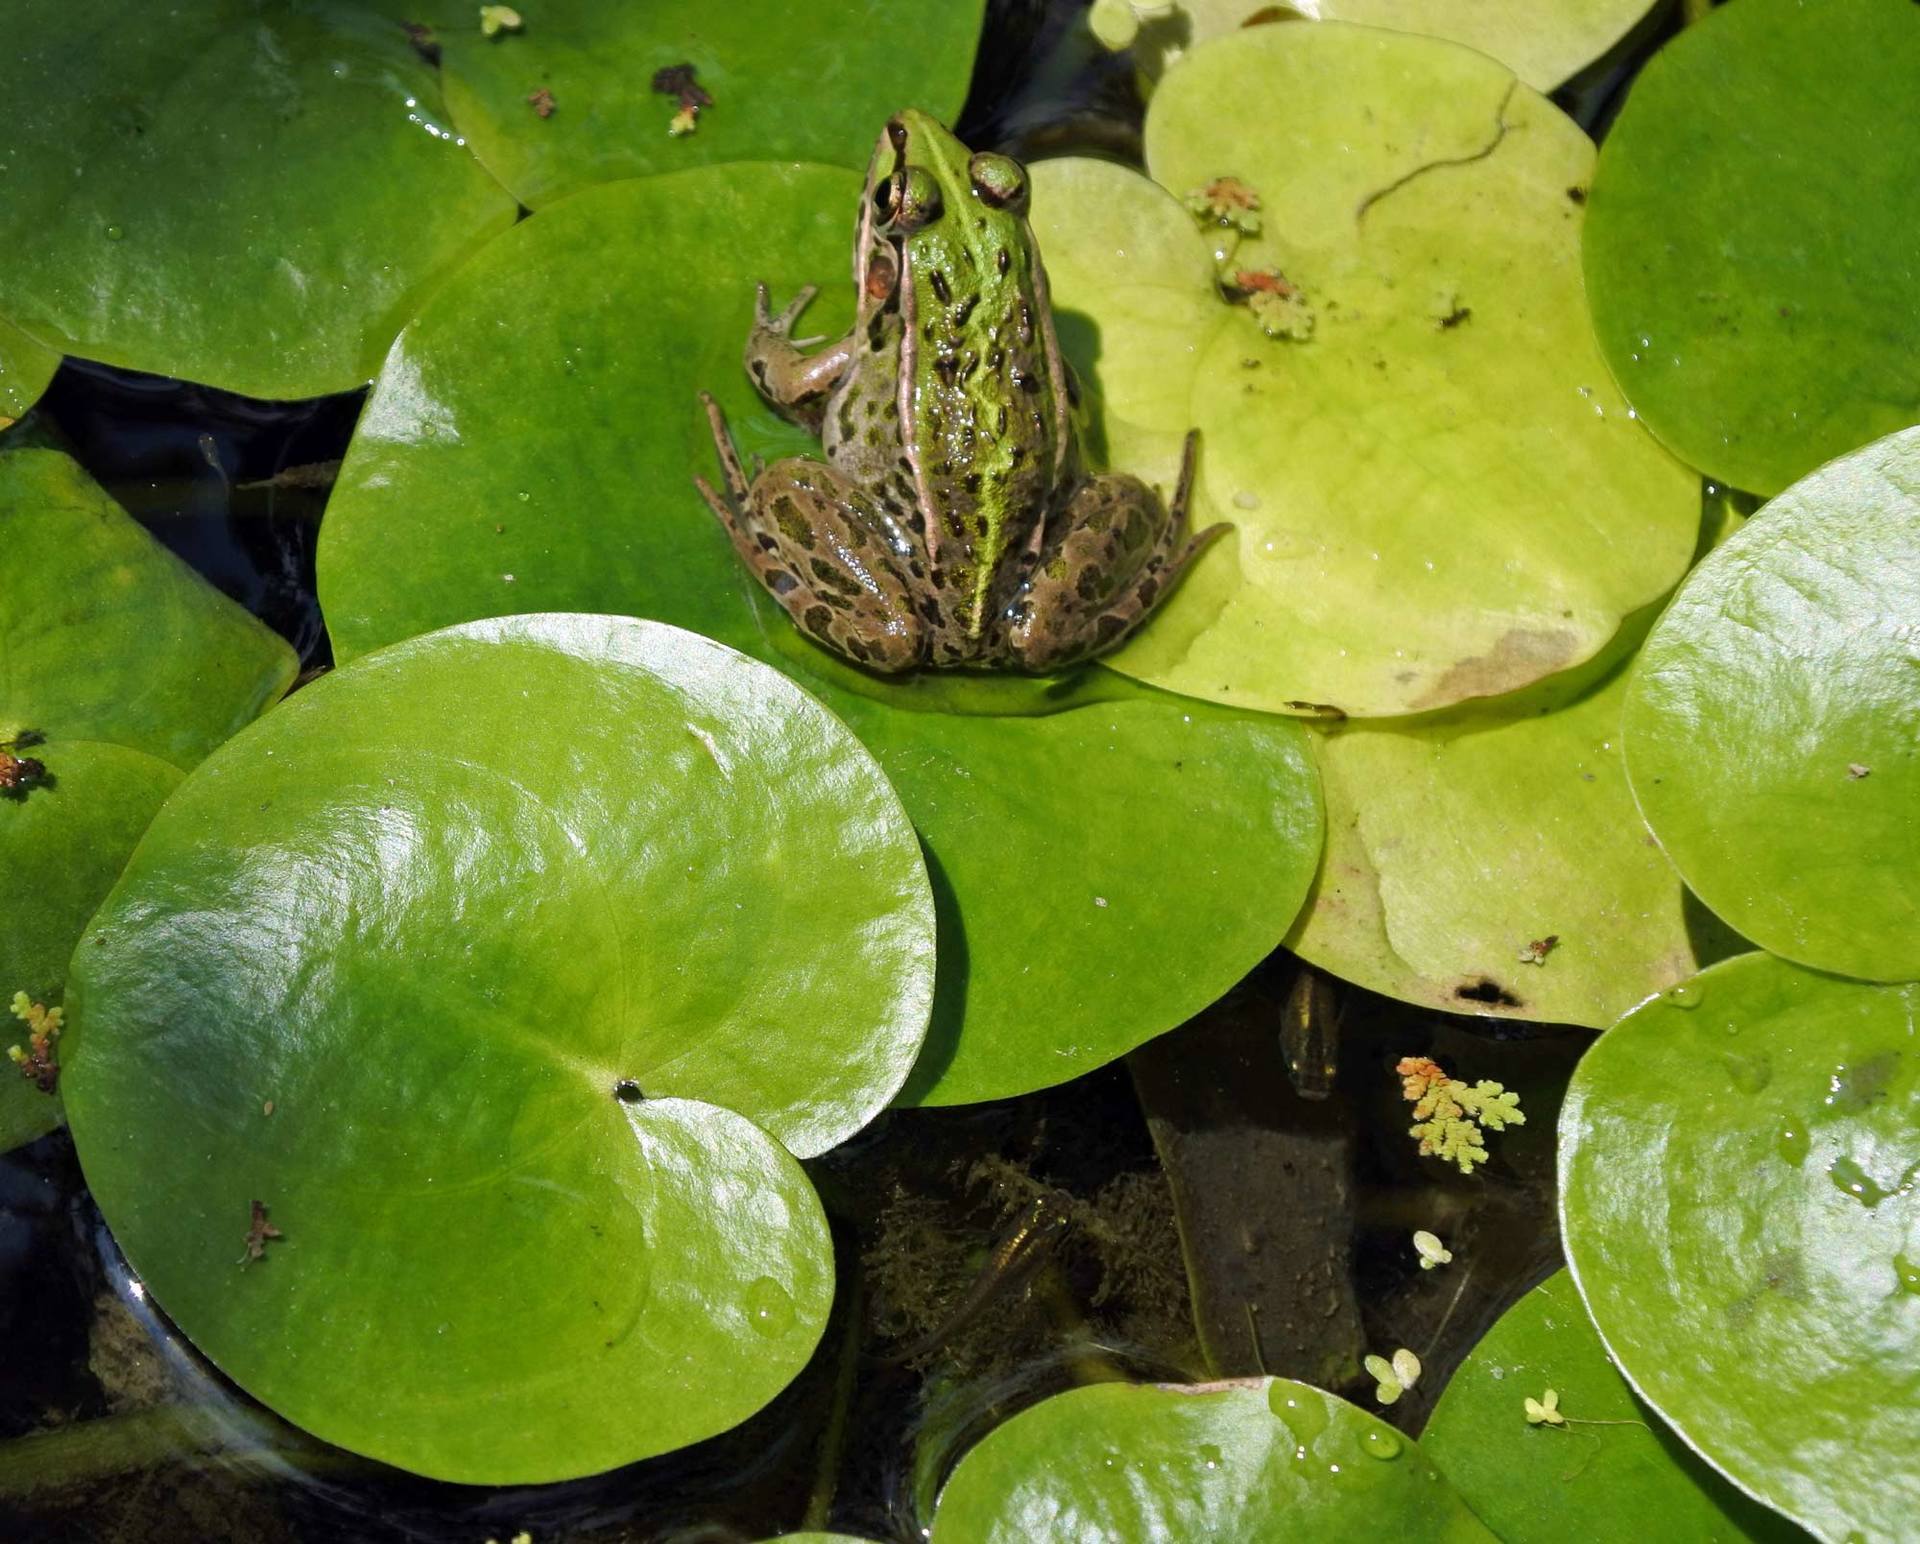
column 1450, row 1116
column 1393, row 1377
column 496, row 19
column 35, row 1058
column 1433, row 1254
column 1545, row 1411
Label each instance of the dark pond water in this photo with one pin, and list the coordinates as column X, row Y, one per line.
column 1220, row 1224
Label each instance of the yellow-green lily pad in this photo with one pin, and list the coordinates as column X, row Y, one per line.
column 801, row 83
column 1248, row 1459
column 532, row 444
column 1773, row 724
column 1436, row 492
column 1739, row 1204
column 251, row 195
column 1761, row 311
column 1541, row 41
column 503, row 972
column 1608, row 1471
column 1490, row 859
column 130, row 668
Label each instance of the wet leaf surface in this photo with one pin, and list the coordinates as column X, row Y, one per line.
column 1738, row 1201
column 549, row 941
column 1436, row 494
column 1254, row 1459
column 1541, row 41
column 1773, row 723
column 1622, row 1481
column 1758, row 311
column 532, row 443
column 132, row 668
column 811, row 83
column 254, row 197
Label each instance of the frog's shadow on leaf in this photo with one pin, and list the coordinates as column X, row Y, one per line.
column 1079, row 336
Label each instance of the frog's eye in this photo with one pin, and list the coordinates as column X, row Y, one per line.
column 999, row 180
column 908, row 200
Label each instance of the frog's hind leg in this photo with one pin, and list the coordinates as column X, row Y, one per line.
column 1120, row 551
column 814, row 543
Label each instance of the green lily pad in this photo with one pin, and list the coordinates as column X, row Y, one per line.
column 1737, row 1181
column 549, row 940
column 1758, row 310
column 105, row 635
column 1436, row 493
column 532, row 445
column 62, row 846
column 801, row 83
column 1623, row 1479
column 132, row 668
column 1773, row 725
column 1258, row 1458
column 1459, row 840
column 1541, row 41
column 25, row 368
column 251, row 196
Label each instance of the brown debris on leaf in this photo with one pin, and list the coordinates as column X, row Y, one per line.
column 259, row 1233
column 421, row 37
column 541, row 102
column 1536, row 952
column 677, row 81
column 1855, row 771
column 19, row 773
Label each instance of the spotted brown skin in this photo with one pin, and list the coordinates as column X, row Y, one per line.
column 951, row 524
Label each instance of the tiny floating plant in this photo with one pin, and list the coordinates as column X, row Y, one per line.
column 1433, row 1254
column 35, row 1058
column 1394, row 1377
column 1451, row 1117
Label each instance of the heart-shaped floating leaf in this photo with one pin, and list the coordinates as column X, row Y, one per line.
column 251, row 196
column 1541, row 41
column 497, row 968
column 1608, row 1471
column 1773, row 725
column 585, row 92
column 25, row 368
column 1737, row 1180
column 532, row 443
column 1435, row 492
column 1490, row 859
column 129, row 668
column 1260, row 1458
column 1760, row 311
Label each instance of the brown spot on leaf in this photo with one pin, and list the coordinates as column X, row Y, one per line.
column 1521, row 656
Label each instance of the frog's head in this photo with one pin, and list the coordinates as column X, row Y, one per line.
column 924, row 186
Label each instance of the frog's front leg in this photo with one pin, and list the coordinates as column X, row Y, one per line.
column 1118, row 551
column 795, row 385
column 814, row 540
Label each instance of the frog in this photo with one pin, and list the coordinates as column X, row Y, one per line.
column 952, row 523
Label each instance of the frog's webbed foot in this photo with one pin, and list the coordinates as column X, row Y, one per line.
column 781, row 326
column 1121, row 552
column 794, row 384
column 813, row 540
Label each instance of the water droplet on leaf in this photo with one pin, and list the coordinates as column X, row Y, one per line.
column 769, row 1308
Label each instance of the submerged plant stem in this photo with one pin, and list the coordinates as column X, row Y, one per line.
column 833, row 1442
